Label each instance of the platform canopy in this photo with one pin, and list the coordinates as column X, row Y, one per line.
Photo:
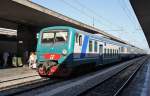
column 142, row 11
column 14, row 12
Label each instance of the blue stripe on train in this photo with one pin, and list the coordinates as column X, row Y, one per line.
column 84, row 46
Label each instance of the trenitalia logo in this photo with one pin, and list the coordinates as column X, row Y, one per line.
column 52, row 56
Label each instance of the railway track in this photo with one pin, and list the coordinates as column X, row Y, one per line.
column 110, row 87
column 127, row 81
column 10, row 83
column 26, row 86
column 68, row 87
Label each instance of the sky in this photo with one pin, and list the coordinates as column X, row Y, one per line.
column 115, row 17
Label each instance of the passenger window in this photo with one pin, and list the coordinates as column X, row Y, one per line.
column 90, row 46
column 110, row 52
column 105, row 51
column 119, row 49
column 114, row 52
column 77, row 36
column 122, row 49
column 95, row 46
column 80, row 40
column 101, row 49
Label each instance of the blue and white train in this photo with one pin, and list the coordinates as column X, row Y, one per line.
column 60, row 49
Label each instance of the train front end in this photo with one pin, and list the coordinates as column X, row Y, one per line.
column 54, row 50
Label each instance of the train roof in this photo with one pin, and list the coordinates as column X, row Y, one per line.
column 107, row 39
column 102, row 38
column 97, row 36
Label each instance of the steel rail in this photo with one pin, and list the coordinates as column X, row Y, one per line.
column 129, row 79
column 16, row 90
column 119, row 90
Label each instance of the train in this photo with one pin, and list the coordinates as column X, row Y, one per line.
column 61, row 49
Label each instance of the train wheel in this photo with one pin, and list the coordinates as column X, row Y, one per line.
column 42, row 71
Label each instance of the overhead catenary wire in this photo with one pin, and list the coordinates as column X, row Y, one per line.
column 127, row 7
column 97, row 15
column 127, row 12
column 75, row 8
column 130, row 16
column 121, row 29
column 95, row 18
column 132, row 13
column 92, row 11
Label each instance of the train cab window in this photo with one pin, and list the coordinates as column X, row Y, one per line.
column 95, row 46
column 90, row 46
column 54, row 36
column 47, row 37
column 61, row 36
column 80, row 40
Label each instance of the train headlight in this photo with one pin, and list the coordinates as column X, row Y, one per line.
column 64, row 51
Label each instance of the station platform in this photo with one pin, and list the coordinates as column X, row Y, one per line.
column 140, row 85
column 18, row 75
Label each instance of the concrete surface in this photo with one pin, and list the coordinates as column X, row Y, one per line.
column 140, row 85
column 13, row 76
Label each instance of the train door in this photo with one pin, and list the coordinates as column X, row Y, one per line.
column 101, row 53
column 78, row 45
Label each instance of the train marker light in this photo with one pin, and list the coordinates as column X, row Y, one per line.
column 64, row 52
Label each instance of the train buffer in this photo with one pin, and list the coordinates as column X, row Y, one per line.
column 13, row 76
